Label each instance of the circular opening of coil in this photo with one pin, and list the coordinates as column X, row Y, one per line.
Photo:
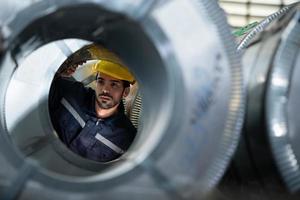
column 138, row 52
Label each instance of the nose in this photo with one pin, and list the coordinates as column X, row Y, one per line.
column 105, row 88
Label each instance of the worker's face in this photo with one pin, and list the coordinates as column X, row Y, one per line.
column 109, row 91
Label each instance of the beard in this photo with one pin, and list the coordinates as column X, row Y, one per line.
column 108, row 102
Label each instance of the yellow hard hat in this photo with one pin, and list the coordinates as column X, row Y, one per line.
column 109, row 63
column 98, row 52
column 94, row 52
column 114, row 70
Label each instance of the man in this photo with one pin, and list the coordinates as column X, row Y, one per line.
column 92, row 123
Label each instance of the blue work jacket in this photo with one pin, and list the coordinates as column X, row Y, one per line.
column 72, row 110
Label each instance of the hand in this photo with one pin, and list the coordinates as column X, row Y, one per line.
column 68, row 71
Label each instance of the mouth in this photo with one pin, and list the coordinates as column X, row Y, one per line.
column 106, row 98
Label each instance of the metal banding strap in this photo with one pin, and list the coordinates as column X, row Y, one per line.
column 73, row 112
column 109, row 144
column 98, row 136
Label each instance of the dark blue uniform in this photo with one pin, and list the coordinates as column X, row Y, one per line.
column 72, row 110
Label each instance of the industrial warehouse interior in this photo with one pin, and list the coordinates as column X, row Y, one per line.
column 240, row 13
column 139, row 99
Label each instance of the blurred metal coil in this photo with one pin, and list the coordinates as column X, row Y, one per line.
column 190, row 81
column 262, row 26
column 268, row 154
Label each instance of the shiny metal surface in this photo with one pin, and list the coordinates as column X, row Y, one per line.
column 249, row 160
column 268, row 154
column 262, row 26
column 282, row 109
column 192, row 98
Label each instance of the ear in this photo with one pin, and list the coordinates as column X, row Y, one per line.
column 126, row 91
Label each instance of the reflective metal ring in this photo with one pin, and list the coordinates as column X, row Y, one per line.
column 192, row 97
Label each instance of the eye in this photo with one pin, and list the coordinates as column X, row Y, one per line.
column 100, row 81
column 115, row 85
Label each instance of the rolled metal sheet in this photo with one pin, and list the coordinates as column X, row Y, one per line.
column 190, row 79
column 262, row 26
column 253, row 165
column 268, row 155
column 281, row 107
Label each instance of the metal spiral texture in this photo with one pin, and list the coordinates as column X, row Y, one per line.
column 268, row 154
column 281, row 105
column 262, row 26
column 183, row 56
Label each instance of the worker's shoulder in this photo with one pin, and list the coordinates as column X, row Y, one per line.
column 127, row 124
